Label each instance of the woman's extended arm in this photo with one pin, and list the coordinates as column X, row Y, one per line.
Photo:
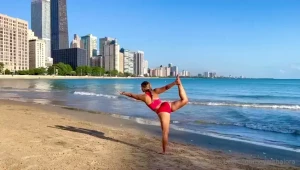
column 164, row 88
column 135, row 96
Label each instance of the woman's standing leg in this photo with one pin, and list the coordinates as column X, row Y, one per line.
column 165, row 122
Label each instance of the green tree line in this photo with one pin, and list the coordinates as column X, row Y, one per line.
column 66, row 70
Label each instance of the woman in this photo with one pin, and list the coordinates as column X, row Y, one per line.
column 163, row 109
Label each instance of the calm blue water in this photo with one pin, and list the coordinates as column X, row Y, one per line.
column 265, row 112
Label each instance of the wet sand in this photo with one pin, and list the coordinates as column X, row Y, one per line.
column 34, row 136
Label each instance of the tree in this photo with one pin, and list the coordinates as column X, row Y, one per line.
column 80, row 71
column 23, row 72
column 31, row 71
column 73, row 73
column 7, row 71
column 126, row 74
column 1, row 67
column 97, row 71
column 120, row 74
column 114, row 72
column 88, row 70
column 50, row 70
column 39, row 71
column 60, row 69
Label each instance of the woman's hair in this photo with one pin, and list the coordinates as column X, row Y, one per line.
column 146, row 87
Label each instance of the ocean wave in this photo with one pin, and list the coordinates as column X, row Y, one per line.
column 216, row 135
column 253, row 105
column 95, row 94
column 263, row 97
column 206, row 102
column 254, row 126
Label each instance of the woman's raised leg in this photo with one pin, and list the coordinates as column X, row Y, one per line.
column 183, row 97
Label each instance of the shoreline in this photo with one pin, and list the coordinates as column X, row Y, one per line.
column 214, row 143
column 231, row 152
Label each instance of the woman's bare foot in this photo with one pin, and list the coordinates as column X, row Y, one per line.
column 178, row 81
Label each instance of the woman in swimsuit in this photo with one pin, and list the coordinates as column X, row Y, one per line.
column 163, row 109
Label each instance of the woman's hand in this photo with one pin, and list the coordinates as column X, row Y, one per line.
column 121, row 93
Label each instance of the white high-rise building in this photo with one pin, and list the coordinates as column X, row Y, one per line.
column 103, row 41
column 145, row 67
column 174, row 71
column 14, row 43
column 139, row 63
column 31, row 35
column 206, row 74
column 40, row 25
column 121, row 62
column 185, row 73
column 111, row 54
column 90, row 44
column 161, row 72
column 37, row 53
column 128, row 61
column 76, row 42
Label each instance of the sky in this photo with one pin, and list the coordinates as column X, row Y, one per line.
column 252, row 38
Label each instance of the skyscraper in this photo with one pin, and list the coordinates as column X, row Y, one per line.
column 174, row 71
column 90, row 44
column 75, row 57
column 31, row 35
column 139, row 63
column 121, row 62
column 37, row 53
column 40, row 24
column 59, row 25
column 145, row 67
column 128, row 61
column 110, row 50
column 76, row 42
column 103, row 41
column 14, row 45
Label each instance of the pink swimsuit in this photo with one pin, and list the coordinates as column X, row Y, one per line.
column 164, row 106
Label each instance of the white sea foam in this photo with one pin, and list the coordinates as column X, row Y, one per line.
column 253, row 105
column 95, row 94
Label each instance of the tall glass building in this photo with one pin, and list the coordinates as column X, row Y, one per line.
column 139, row 63
column 40, row 24
column 90, row 44
column 59, row 25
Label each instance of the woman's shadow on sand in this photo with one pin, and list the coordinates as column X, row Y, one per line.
column 95, row 134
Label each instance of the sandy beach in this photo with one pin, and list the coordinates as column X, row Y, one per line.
column 34, row 136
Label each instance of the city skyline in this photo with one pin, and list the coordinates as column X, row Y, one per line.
column 253, row 43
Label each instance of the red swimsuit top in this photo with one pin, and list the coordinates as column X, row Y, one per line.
column 155, row 102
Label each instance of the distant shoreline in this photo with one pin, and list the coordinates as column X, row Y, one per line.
column 64, row 77
column 104, row 77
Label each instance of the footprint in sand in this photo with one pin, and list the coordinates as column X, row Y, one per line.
column 61, row 143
